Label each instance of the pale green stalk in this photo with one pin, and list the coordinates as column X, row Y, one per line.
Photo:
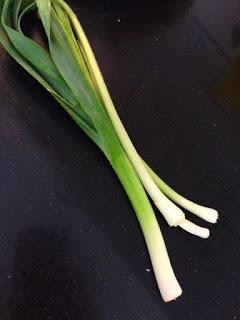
column 205, row 213
column 170, row 211
column 166, row 280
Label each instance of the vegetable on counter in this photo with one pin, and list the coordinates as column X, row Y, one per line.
column 69, row 72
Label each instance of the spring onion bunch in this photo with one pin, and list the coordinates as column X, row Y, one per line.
column 68, row 70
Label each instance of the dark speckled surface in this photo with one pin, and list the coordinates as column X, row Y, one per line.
column 70, row 246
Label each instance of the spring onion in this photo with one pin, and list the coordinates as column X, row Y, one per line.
column 68, row 70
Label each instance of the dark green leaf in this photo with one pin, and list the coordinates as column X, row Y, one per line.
column 68, row 66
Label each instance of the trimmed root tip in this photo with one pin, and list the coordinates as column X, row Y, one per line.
column 169, row 294
column 213, row 215
column 207, row 214
column 195, row 229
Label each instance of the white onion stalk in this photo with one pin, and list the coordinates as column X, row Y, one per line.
column 165, row 277
column 194, row 229
column 205, row 213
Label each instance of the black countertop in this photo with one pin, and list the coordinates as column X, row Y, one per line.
column 70, row 245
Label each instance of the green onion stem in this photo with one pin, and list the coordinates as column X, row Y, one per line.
column 167, row 282
column 207, row 214
column 170, row 211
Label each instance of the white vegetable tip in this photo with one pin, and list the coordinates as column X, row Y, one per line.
column 194, row 229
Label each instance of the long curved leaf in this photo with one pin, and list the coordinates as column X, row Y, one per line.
column 44, row 7
column 37, row 62
column 86, row 96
